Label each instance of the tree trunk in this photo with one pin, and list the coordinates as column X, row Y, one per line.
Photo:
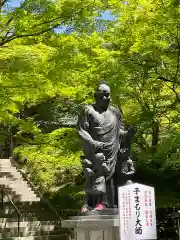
column 155, row 136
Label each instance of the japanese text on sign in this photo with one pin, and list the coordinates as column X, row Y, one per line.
column 138, row 225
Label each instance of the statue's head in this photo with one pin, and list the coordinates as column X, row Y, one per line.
column 102, row 95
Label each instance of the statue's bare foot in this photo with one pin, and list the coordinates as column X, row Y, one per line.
column 84, row 210
column 98, row 209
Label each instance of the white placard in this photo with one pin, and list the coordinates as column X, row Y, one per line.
column 137, row 212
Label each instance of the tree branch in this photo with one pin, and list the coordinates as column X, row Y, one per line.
column 176, row 93
column 13, row 37
column 7, row 24
column 166, row 79
column 2, row 3
column 46, row 22
column 173, row 88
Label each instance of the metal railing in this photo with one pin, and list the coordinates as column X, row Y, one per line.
column 3, row 194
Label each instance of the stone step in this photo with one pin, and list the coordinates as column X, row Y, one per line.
column 4, row 163
column 28, row 210
column 10, row 209
column 42, row 206
column 4, row 181
column 10, row 175
column 5, row 160
column 8, row 167
column 21, row 189
column 19, row 185
column 7, row 233
column 12, row 171
column 30, row 216
column 32, row 225
column 22, row 192
column 15, row 185
column 56, row 223
column 19, row 197
column 51, row 237
column 14, row 174
column 18, row 192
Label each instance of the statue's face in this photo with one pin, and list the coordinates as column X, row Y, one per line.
column 103, row 96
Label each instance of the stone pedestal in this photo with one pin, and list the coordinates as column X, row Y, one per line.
column 94, row 227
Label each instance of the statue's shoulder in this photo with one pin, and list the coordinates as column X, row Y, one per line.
column 87, row 109
column 115, row 110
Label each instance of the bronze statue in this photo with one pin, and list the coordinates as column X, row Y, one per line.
column 101, row 129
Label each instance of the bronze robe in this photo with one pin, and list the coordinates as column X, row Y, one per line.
column 96, row 127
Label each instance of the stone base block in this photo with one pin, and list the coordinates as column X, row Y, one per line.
column 97, row 227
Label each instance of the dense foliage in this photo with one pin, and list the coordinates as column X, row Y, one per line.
column 53, row 54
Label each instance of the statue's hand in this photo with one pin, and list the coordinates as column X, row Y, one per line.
column 100, row 156
column 90, row 172
column 129, row 173
column 99, row 146
column 132, row 129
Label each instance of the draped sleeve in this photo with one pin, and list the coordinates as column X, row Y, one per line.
column 83, row 131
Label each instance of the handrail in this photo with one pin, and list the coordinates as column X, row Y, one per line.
column 3, row 193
